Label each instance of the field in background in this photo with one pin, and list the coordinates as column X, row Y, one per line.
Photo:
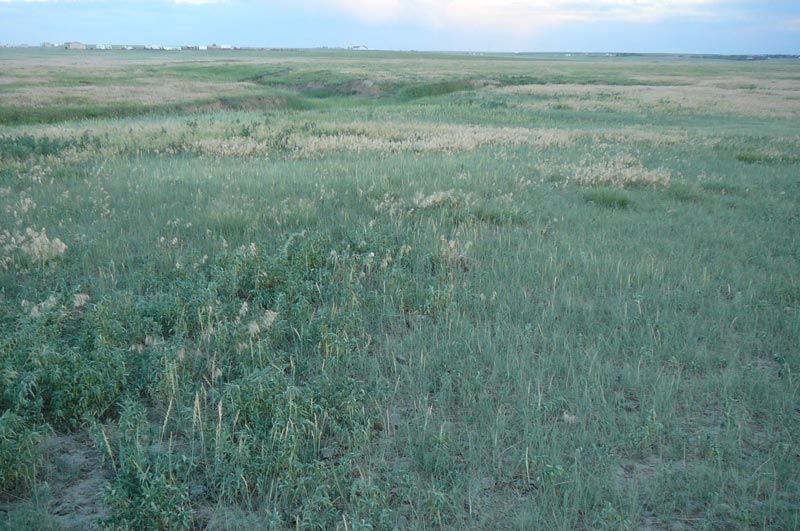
column 392, row 290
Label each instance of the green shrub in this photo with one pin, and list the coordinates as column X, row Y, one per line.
column 49, row 373
column 19, row 454
column 76, row 385
column 748, row 157
column 23, row 147
column 144, row 493
column 607, row 198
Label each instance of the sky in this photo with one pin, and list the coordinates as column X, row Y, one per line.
column 644, row 26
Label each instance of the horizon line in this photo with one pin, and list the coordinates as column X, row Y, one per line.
column 216, row 47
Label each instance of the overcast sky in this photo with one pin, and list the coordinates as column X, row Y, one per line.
column 693, row 26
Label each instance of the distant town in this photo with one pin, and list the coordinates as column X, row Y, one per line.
column 76, row 45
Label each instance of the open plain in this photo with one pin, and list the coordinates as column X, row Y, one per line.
column 373, row 290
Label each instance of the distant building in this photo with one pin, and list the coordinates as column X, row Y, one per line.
column 202, row 47
column 103, row 47
column 75, row 46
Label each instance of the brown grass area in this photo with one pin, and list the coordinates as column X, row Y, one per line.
column 741, row 96
column 19, row 80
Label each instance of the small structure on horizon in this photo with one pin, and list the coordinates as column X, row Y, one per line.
column 75, row 45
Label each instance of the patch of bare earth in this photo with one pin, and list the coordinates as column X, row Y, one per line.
column 631, row 474
column 77, row 482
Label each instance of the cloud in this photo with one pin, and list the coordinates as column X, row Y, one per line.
column 519, row 15
column 792, row 24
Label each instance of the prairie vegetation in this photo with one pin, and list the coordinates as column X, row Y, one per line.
column 385, row 290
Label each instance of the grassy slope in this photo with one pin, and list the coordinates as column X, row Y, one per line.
column 462, row 339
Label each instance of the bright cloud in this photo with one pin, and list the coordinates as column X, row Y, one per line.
column 519, row 15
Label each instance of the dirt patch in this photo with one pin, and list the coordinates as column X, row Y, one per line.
column 77, row 483
column 631, row 474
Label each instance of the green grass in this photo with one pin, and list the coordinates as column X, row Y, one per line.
column 438, row 88
column 331, row 309
column 62, row 113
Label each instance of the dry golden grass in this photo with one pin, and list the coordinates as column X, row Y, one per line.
column 393, row 137
column 32, row 243
column 622, row 171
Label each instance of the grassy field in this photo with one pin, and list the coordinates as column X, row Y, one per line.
column 365, row 290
